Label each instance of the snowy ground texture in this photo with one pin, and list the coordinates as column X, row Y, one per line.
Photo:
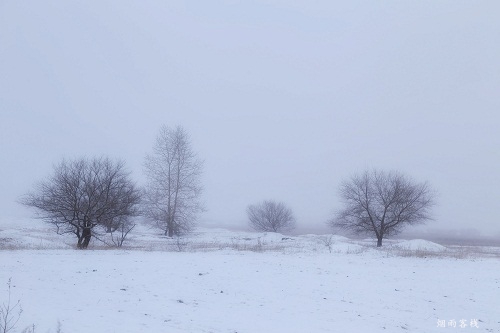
column 222, row 281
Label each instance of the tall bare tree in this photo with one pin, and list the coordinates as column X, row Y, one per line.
column 382, row 203
column 271, row 216
column 173, row 170
column 83, row 194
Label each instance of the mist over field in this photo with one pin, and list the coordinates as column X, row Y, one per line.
column 283, row 101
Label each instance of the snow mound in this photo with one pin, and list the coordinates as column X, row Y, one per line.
column 16, row 240
column 419, row 245
column 334, row 238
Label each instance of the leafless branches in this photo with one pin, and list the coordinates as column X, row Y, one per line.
column 119, row 235
column 172, row 195
column 382, row 203
column 328, row 241
column 83, row 194
column 271, row 216
column 9, row 313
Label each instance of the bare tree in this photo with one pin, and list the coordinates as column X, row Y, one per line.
column 382, row 203
column 172, row 195
column 271, row 216
column 83, row 194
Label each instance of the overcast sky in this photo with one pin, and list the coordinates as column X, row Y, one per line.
column 283, row 99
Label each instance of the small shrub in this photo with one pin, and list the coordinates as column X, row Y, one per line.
column 328, row 242
column 9, row 313
column 180, row 244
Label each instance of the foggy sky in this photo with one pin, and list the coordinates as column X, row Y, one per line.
column 282, row 99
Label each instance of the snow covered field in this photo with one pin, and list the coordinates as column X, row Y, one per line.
column 222, row 281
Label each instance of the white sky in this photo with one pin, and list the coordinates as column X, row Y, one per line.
column 283, row 99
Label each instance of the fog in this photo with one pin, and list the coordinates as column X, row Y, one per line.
column 283, row 100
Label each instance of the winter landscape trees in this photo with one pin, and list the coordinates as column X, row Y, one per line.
column 172, row 194
column 382, row 203
column 271, row 216
column 91, row 197
column 84, row 194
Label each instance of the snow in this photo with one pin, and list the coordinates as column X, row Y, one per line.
column 222, row 281
column 419, row 245
column 30, row 239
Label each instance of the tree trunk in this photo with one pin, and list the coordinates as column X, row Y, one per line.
column 84, row 240
column 379, row 242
